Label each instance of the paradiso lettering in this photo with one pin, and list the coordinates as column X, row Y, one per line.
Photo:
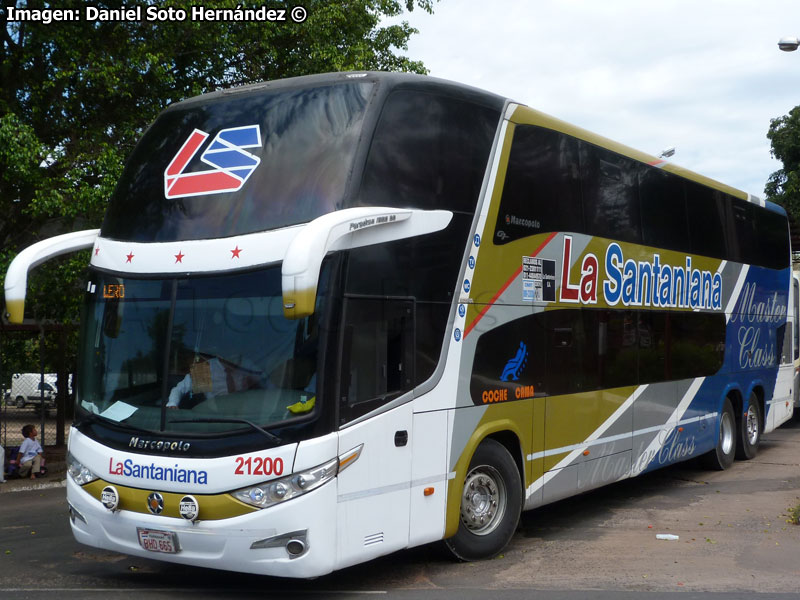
column 639, row 283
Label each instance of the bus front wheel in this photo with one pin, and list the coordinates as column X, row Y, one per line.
column 491, row 504
column 749, row 430
column 721, row 457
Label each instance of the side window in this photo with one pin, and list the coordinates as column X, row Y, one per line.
column 542, row 188
column 796, row 317
column 707, row 218
column 773, row 238
column 377, row 353
column 428, row 151
column 572, row 351
column 742, row 236
column 510, row 356
column 610, row 194
column 663, row 210
column 654, row 347
column 697, row 344
column 616, row 342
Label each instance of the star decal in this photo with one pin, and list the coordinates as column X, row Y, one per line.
column 130, row 257
column 236, row 252
column 96, row 251
column 179, row 257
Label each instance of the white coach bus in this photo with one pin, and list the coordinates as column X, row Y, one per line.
column 332, row 317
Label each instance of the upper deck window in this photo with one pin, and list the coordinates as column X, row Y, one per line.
column 293, row 149
column 429, row 151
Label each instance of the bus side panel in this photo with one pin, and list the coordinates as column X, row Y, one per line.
column 428, row 477
column 373, row 492
column 756, row 342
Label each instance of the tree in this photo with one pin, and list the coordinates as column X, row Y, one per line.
column 76, row 95
column 783, row 186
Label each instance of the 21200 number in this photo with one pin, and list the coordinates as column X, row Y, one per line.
column 258, row 466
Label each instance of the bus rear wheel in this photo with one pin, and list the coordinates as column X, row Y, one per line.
column 491, row 504
column 749, row 430
column 721, row 457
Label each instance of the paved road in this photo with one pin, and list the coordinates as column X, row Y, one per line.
column 734, row 540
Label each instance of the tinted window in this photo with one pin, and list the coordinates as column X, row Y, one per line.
column 302, row 140
column 773, row 239
column 610, row 194
column 742, row 235
column 509, row 356
column 654, row 343
column 428, row 152
column 377, row 353
column 663, row 210
column 697, row 344
column 423, row 267
column 572, row 351
column 707, row 218
column 542, row 187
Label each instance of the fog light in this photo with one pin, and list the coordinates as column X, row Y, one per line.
column 189, row 508
column 109, row 497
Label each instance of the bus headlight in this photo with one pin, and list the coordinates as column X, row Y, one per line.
column 79, row 473
column 276, row 491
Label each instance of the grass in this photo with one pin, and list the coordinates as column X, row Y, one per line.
column 794, row 515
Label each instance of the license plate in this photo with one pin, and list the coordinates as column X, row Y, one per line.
column 157, row 540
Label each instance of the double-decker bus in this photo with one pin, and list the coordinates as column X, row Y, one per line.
column 331, row 317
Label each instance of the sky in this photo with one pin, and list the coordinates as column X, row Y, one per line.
column 702, row 76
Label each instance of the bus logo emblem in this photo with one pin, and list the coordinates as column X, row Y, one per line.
column 155, row 503
column 231, row 165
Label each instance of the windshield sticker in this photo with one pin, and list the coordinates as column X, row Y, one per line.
column 119, row 411
column 232, row 165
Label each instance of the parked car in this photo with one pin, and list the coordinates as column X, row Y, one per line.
column 27, row 389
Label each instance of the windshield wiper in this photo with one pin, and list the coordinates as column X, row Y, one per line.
column 273, row 438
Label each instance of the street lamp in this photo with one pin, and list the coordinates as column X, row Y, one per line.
column 788, row 44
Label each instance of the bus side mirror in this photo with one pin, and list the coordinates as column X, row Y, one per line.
column 342, row 230
column 16, row 282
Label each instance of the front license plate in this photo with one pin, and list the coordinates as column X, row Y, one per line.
column 157, row 540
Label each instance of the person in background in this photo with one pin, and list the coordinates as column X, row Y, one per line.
column 30, row 458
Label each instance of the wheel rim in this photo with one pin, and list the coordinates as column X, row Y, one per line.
column 752, row 426
column 726, row 433
column 483, row 502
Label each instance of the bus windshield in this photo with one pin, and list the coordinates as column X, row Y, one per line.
column 200, row 355
column 293, row 147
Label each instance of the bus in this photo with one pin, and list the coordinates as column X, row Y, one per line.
column 332, row 317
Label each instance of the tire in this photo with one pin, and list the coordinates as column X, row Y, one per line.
column 721, row 457
column 20, row 402
column 749, row 430
column 491, row 504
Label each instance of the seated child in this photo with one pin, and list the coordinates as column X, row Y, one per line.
column 29, row 458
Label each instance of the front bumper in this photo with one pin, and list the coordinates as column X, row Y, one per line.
column 251, row 543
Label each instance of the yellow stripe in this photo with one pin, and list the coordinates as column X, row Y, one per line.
column 212, row 506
